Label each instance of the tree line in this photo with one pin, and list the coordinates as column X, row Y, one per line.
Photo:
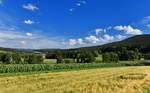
column 20, row 58
column 88, row 56
column 123, row 55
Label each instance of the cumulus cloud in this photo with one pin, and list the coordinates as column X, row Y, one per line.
column 29, row 22
column 80, row 41
column 128, row 30
column 72, row 42
column 108, row 38
column 97, row 38
column 99, row 30
column 92, row 39
column 30, row 7
column 120, row 37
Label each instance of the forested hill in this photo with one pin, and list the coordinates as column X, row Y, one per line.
column 142, row 42
column 135, row 41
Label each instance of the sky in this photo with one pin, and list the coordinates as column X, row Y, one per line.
column 38, row 24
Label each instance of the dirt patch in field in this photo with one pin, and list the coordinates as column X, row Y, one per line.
column 133, row 76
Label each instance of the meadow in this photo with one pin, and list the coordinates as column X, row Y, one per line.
column 102, row 80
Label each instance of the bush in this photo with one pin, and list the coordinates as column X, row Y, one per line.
column 110, row 57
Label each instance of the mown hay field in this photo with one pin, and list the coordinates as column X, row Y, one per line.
column 104, row 80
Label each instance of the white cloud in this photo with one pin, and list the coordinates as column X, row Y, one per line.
column 80, row 41
column 92, row 39
column 16, row 38
column 72, row 42
column 30, row 7
column 108, row 38
column 98, row 30
column 29, row 34
column 78, row 3
column 120, row 37
column 128, row 30
column 29, row 22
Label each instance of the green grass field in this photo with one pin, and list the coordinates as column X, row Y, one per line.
column 50, row 61
column 99, row 59
column 104, row 80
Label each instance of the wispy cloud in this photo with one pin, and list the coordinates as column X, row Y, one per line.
column 148, row 25
column 77, row 4
column 1, row 1
column 17, row 39
column 30, row 7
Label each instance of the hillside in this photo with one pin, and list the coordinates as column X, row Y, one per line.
column 135, row 41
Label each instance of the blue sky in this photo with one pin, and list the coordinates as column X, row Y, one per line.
column 70, row 23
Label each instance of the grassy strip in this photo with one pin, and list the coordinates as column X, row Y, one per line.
column 58, row 67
